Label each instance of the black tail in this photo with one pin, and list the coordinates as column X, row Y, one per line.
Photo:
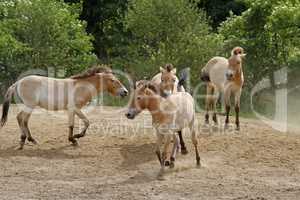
column 5, row 106
column 183, row 77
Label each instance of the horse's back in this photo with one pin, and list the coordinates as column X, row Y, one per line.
column 48, row 93
column 185, row 111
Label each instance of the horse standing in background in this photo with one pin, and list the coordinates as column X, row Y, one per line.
column 224, row 76
column 69, row 94
column 168, row 83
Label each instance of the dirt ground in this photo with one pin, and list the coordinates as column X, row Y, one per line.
column 116, row 160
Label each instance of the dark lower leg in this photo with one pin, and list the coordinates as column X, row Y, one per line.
column 22, row 141
column 227, row 114
column 237, row 120
column 197, row 155
column 71, row 138
column 207, row 118
column 158, row 154
column 182, row 144
column 29, row 137
column 23, row 134
column 82, row 134
column 215, row 118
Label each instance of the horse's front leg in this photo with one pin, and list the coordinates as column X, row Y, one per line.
column 184, row 151
column 237, row 109
column 227, row 94
column 174, row 150
column 71, row 115
column 85, row 121
column 158, row 144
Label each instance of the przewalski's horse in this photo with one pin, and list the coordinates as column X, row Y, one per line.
column 69, row 94
column 169, row 115
column 168, row 81
column 224, row 76
column 168, row 84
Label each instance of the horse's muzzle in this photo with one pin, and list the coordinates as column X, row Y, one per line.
column 131, row 113
column 123, row 92
column 229, row 76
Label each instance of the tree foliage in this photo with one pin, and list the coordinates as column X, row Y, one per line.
column 168, row 31
column 42, row 34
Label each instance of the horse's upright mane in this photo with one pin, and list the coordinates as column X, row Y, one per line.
column 92, row 71
column 169, row 67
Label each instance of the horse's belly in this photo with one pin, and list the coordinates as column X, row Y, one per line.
column 54, row 96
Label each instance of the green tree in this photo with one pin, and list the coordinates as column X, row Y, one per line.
column 42, row 34
column 168, row 31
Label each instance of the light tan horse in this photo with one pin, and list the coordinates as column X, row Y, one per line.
column 224, row 76
column 169, row 115
column 168, row 83
column 69, row 94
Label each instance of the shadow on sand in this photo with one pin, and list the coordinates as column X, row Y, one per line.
column 135, row 155
column 57, row 153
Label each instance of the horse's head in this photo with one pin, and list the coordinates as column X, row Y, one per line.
column 235, row 63
column 168, row 79
column 113, row 85
column 145, row 93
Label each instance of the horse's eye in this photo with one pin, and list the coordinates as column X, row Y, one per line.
column 162, row 80
column 174, row 80
column 138, row 98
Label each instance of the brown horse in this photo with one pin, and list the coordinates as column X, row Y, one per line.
column 69, row 94
column 224, row 76
column 169, row 115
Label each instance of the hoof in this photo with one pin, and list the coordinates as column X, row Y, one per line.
column 167, row 163
column 184, row 151
column 33, row 141
column 75, row 144
column 237, row 128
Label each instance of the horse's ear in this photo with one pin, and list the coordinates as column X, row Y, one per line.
column 137, row 83
column 243, row 55
column 152, row 87
column 161, row 69
column 174, row 71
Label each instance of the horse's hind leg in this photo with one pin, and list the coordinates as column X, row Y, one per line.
column 214, row 108
column 184, row 151
column 207, row 104
column 22, row 127
column 71, row 116
column 85, row 121
column 27, row 131
column 195, row 143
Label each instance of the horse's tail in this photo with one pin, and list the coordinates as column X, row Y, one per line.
column 183, row 77
column 204, row 76
column 5, row 107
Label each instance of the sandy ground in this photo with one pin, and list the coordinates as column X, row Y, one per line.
column 116, row 160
